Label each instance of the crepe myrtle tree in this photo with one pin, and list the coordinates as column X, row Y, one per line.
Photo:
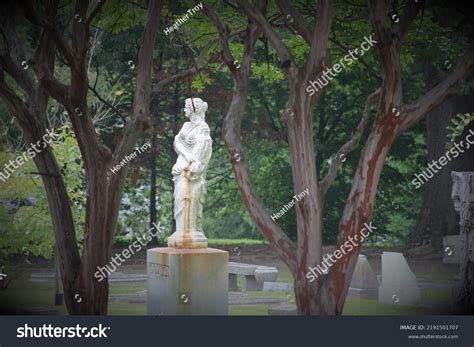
column 326, row 295
column 28, row 106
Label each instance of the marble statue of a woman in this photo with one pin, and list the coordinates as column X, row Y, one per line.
column 193, row 145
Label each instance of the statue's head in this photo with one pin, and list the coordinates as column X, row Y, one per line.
column 194, row 106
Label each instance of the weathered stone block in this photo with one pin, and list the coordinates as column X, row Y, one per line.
column 187, row 281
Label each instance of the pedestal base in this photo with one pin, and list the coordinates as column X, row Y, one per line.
column 187, row 281
column 188, row 240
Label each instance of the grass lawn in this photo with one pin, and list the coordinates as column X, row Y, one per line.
column 25, row 294
column 249, row 310
column 438, row 276
column 234, row 242
column 126, row 309
column 126, row 288
column 363, row 307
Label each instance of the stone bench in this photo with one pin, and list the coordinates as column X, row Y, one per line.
column 253, row 276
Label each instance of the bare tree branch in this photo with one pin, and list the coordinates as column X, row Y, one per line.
column 139, row 118
column 387, row 47
column 282, row 245
column 31, row 14
column 223, row 37
column 160, row 85
column 17, row 73
column 361, row 60
column 283, row 52
column 318, row 56
column 450, row 86
column 109, row 105
column 95, row 11
column 409, row 14
column 296, row 20
column 349, row 145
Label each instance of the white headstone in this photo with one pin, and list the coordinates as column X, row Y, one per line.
column 399, row 285
column 364, row 283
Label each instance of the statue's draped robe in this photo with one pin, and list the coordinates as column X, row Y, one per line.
column 197, row 141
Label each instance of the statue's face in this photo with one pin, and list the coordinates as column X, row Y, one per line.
column 188, row 109
column 200, row 107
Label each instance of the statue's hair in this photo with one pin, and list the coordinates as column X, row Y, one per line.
column 199, row 106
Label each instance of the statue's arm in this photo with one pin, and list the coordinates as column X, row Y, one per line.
column 181, row 149
column 203, row 153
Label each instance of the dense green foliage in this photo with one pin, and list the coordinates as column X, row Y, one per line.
column 112, row 55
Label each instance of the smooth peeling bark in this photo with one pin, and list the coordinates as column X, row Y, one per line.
column 308, row 209
column 62, row 221
column 104, row 195
column 94, row 294
column 63, row 226
column 275, row 236
column 359, row 205
column 282, row 245
column 327, row 294
column 387, row 128
column 300, row 136
column 55, row 188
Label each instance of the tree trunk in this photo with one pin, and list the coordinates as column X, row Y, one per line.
column 308, row 209
column 153, row 177
column 63, row 226
column 438, row 217
column 30, row 120
column 327, row 294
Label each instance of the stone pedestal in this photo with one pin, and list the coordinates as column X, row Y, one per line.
column 463, row 198
column 187, row 281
